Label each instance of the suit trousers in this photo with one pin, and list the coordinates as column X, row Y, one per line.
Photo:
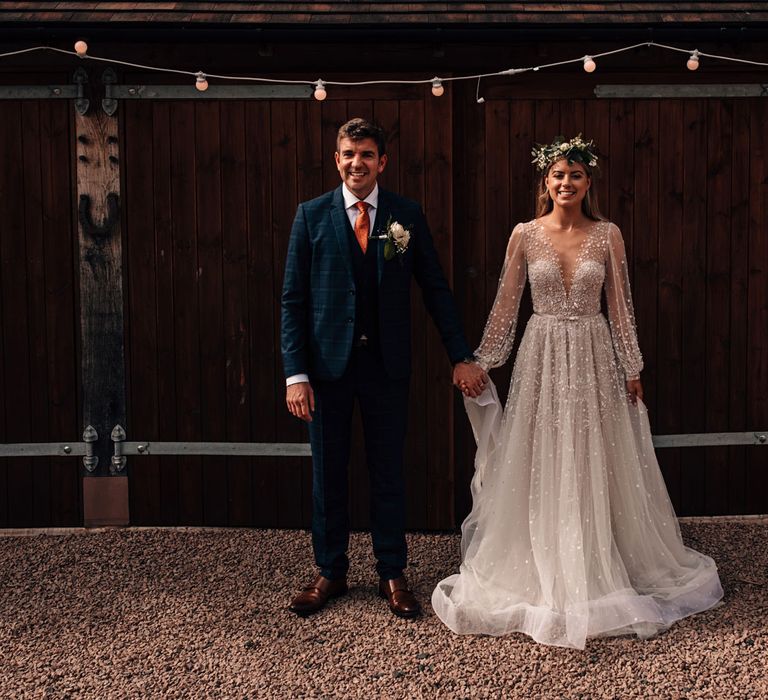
column 383, row 408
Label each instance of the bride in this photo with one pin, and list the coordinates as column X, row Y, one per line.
column 572, row 533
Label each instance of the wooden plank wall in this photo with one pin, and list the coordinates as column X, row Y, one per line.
column 215, row 192
column 685, row 180
column 210, row 190
column 210, row 194
column 38, row 313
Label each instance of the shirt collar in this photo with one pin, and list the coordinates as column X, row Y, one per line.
column 350, row 199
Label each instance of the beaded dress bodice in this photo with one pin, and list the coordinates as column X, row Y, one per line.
column 564, row 289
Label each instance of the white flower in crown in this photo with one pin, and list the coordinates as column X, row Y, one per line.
column 398, row 237
column 577, row 150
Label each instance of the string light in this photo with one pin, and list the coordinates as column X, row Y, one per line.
column 201, row 81
column 588, row 63
column 320, row 92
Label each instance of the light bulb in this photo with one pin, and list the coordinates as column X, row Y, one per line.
column 693, row 61
column 201, row 81
column 437, row 87
column 81, row 48
column 320, row 92
column 589, row 64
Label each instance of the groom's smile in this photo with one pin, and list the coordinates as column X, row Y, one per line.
column 359, row 164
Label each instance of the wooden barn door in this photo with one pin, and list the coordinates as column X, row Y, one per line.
column 210, row 193
column 687, row 183
column 38, row 314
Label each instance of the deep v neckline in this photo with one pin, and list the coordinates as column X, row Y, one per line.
column 558, row 259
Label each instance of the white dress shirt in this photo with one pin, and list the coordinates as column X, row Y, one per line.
column 351, row 200
column 350, row 204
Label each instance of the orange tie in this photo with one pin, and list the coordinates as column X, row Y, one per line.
column 362, row 225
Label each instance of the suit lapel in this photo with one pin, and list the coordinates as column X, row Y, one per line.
column 340, row 224
column 382, row 216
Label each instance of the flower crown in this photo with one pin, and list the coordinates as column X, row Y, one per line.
column 577, row 150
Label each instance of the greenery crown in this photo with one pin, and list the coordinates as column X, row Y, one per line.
column 577, row 150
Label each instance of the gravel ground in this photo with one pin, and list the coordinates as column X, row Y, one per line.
column 157, row 613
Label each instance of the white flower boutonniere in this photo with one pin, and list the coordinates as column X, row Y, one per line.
column 397, row 239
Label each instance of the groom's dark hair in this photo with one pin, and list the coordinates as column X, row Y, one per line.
column 358, row 129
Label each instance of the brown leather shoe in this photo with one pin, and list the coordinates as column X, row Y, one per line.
column 314, row 596
column 401, row 601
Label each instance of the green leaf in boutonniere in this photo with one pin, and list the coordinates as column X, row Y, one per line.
column 390, row 250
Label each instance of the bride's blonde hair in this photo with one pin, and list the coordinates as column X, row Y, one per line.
column 589, row 205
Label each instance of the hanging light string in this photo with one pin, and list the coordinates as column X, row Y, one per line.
column 710, row 55
column 201, row 78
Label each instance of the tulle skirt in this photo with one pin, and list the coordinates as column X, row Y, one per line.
column 572, row 533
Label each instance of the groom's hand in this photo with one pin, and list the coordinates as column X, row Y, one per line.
column 469, row 378
column 300, row 400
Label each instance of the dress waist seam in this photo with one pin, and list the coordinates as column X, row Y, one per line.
column 566, row 317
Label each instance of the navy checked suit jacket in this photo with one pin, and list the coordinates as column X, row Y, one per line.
column 318, row 299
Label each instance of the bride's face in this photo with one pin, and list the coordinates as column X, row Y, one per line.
column 567, row 184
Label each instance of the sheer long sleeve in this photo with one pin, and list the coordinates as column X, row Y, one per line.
column 620, row 311
column 499, row 334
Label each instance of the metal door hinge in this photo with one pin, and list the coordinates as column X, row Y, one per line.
column 118, row 458
column 90, row 460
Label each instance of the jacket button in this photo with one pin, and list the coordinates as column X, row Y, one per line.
column 351, row 292
column 350, row 320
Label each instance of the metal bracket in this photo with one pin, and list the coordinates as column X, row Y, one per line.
column 38, row 92
column 109, row 103
column 114, row 92
column 118, row 459
column 229, row 449
column 75, row 91
column 80, row 77
column 694, row 91
column 90, row 460
column 214, row 92
column 42, row 449
column 711, row 439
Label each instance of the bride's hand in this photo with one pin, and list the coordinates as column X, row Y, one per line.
column 634, row 390
column 469, row 378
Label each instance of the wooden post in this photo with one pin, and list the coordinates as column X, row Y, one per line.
column 105, row 490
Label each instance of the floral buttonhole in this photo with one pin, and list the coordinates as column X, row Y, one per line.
column 397, row 238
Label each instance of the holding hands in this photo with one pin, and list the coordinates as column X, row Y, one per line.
column 469, row 378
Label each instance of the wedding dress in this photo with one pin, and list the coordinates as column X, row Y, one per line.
column 572, row 533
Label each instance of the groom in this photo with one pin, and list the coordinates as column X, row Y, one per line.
column 345, row 337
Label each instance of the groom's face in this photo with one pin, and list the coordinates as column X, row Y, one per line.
column 359, row 164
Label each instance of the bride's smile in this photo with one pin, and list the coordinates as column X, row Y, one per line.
column 567, row 183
